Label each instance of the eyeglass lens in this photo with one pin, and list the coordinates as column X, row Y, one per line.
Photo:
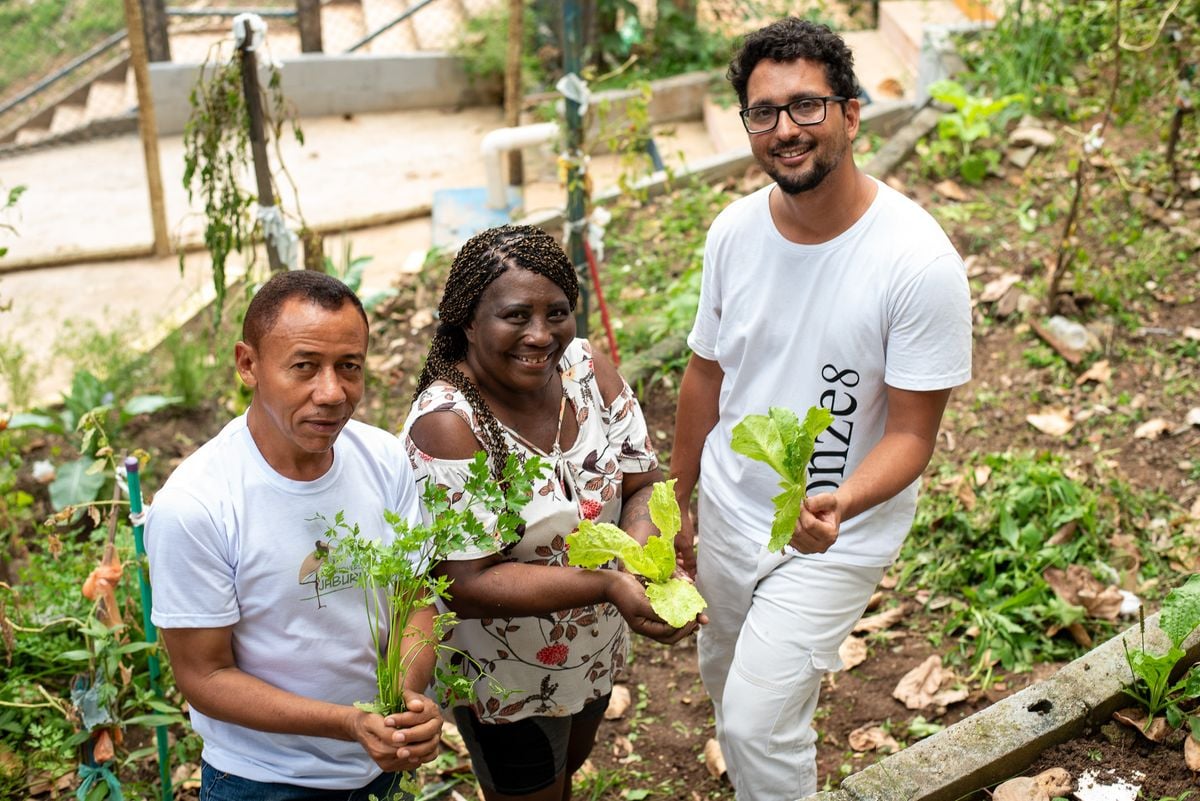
column 808, row 111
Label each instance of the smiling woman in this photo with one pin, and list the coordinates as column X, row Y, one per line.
column 506, row 373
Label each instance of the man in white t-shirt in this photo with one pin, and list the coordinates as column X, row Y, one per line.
column 270, row 654
column 826, row 288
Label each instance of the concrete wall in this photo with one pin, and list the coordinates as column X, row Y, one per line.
column 322, row 85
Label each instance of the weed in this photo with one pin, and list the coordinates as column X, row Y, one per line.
column 963, row 134
column 986, row 542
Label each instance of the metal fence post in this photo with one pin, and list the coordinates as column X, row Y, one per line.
column 576, row 191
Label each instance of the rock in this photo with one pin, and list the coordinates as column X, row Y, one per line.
column 1020, row 157
column 1026, row 136
column 618, row 702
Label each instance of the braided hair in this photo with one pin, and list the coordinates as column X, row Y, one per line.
column 483, row 258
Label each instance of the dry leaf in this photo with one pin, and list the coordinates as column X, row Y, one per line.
column 1191, row 753
column 852, row 652
column 998, row 287
column 950, row 190
column 1191, row 332
column 1132, row 716
column 874, row 601
column 881, row 621
column 186, row 776
column 622, row 746
column 951, row 696
column 982, row 473
column 889, row 580
column 102, row 748
column 1193, row 417
column 618, row 702
column 1065, row 534
column 1152, row 429
column 1053, row 421
column 713, row 759
column 872, row 738
column 1100, row 372
column 1076, row 585
column 917, row 687
column 452, row 739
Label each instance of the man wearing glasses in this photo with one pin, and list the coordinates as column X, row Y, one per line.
column 826, row 288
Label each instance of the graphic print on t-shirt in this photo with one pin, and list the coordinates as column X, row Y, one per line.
column 827, row 468
column 310, row 573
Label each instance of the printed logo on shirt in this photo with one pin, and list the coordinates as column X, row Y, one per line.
column 311, row 574
column 827, row 468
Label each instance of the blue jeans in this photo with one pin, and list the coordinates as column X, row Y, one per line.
column 216, row 785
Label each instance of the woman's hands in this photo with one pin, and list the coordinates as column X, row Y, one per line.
column 626, row 593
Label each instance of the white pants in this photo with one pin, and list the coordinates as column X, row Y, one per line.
column 775, row 624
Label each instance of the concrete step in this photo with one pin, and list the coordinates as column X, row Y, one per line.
column 31, row 133
column 68, row 117
column 901, row 23
column 108, row 98
column 400, row 38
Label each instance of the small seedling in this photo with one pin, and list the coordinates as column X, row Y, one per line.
column 1151, row 686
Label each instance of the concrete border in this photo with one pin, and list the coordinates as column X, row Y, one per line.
column 1002, row 740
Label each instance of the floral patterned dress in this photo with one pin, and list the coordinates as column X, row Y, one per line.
column 555, row 663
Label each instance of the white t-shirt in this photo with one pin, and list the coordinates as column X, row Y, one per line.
column 886, row 303
column 233, row 543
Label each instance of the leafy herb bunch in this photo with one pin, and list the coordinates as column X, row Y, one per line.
column 397, row 579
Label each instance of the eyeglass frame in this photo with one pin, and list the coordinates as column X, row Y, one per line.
column 825, row 100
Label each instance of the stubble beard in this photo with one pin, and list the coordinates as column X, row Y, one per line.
column 825, row 159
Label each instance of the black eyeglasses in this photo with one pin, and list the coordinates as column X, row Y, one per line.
column 805, row 111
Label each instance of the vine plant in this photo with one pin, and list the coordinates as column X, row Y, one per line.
column 217, row 158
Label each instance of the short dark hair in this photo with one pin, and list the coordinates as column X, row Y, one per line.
column 790, row 39
column 308, row 285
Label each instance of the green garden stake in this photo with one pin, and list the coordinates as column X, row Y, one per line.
column 138, row 518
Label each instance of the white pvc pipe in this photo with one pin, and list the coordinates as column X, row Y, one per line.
column 497, row 142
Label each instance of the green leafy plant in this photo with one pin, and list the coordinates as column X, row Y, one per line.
column 963, row 132
column 986, row 532
column 1151, row 686
column 675, row 600
column 401, row 571
column 90, row 410
column 217, row 157
column 780, row 440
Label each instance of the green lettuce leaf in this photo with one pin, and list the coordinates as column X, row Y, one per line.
column 676, row 601
column 664, row 509
column 781, row 441
column 595, row 544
